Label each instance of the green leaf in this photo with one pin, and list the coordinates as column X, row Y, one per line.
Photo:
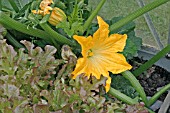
column 6, row 5
column 130, row 49
column 123, row 85
column 74, row 97
column 43, row 61
column 21, row 3
column 7, row 58
column 70, row 29
column 133, row 43
column 14, row 6
column 24, row 75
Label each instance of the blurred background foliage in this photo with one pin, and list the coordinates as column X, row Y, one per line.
column 160, row 17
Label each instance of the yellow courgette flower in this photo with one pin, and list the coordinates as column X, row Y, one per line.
column 100, row 54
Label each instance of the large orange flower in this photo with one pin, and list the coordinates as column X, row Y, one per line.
column 100, row 54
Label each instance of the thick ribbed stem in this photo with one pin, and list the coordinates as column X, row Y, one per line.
column 135, row 83
column 13, row 41
column 12, row 24
column 58, row 37
column 121, row 96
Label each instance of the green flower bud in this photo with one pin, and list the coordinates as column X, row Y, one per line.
column 57, row 16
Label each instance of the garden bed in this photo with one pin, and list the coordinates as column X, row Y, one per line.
column 72, row 65
column 152, row 80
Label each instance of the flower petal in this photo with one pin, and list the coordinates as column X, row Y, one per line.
column 86, row 43
column 108, row 82
column 90, row 66
column 97, row 68
column 119, row 64
column 118, row 41
column 115, row 43
column 79, row 69
column 102, row 33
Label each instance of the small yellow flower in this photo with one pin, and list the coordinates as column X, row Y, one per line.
column 45, row 3
column 100, row 54
column 43, row 12
column 44, row 7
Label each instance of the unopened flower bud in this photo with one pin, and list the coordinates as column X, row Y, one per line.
column 57, row 16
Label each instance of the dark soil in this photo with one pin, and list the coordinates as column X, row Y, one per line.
column 153, row 79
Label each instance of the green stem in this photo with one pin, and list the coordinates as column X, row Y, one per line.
column 135, row 83
column 150, row 111
column 11, row 23
column 14, row 6
column 13, row 41
column 44, row 21
column 150, row 62
column 158, row 94
column 58, row 37
column 93, row 15
column 121, row 96
column 136, row 14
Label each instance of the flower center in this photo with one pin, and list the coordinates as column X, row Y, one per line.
column 90, row 53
